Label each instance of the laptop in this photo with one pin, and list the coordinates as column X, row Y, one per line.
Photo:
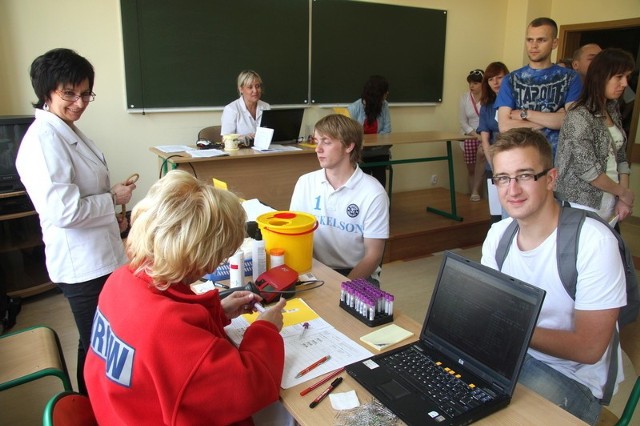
column 285, row 123
column 474, row 339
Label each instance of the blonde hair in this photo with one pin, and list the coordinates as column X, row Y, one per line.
column 347, row 130
column 183, row 229
column 247, row 76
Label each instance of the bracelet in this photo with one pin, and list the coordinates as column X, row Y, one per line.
column 113, row 198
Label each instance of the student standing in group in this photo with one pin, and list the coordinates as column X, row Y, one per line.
column 488, row 126
column 568, row 357
column 488, row 123
column 67, row 179
column 537, row 95
column 592, row 156
column 582, row 58
column 243, row 115
column 372, row 111
column 469, row 116
column 159, row 353
column 351, row 207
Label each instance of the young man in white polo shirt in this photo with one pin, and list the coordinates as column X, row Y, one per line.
column 351, row 207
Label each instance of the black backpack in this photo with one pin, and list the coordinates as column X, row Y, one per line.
column 568, row 233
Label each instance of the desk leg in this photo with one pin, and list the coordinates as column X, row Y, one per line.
column 452, row 190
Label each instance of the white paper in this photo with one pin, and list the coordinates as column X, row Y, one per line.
column 344, row 400
column 255, row 208
column 495, row 208
column 321, row 339
column 262, row 139
column 205, row 153
column 173, row 148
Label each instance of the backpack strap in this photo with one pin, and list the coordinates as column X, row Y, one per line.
column 505, row 243
column 567, row 238
column 612, row 373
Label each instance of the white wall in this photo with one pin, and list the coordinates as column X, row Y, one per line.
column 478, row 32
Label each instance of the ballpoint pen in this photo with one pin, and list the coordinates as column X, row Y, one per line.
column 314, row 365
column 326, row 392
column 321, row 382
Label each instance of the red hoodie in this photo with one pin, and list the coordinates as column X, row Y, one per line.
column 162, row 357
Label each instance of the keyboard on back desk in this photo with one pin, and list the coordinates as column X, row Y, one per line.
column 440, row 384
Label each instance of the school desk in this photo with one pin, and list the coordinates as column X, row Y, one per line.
column 526, row 408
column 271, row 176
column 402, row 138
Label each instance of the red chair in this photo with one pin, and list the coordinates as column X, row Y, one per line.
column 69, row 409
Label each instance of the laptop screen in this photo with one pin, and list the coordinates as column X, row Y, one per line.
column 285, row 123
column 482, row 313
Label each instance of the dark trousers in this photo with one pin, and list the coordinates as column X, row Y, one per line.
column 373, row 155
column 83, row 299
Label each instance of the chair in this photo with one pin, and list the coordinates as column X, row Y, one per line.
column 630, row 407
column 31, row 354
column 69, row 409
column 211, row 134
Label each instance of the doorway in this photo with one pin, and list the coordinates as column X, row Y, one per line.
column 624, row 34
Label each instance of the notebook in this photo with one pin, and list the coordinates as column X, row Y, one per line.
column 285, row 123
column 474, row 338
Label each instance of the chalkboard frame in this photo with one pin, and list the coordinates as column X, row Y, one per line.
column 166, row 70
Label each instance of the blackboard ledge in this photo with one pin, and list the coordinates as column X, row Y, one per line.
column 200, row 109
column 391, row 104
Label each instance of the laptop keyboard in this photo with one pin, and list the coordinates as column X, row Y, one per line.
column 440, row 384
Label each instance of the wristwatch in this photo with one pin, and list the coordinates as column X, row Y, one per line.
column 524, row 113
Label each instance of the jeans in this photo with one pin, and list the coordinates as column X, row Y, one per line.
column 83, row 299
column 566, row 393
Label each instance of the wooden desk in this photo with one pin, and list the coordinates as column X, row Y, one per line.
column 268, row 176
column 526, row 408
column 401, row 138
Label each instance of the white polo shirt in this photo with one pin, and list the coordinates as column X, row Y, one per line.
column 357, row 210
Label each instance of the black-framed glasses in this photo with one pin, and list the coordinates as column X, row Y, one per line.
column 504, row 180
column 477, row 72
column 71, row 96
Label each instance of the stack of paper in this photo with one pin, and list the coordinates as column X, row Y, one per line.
column 386, row 336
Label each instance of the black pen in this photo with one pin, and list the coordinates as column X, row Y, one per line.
column 326, row 392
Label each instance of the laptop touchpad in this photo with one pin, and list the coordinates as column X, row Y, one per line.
column 394, row 390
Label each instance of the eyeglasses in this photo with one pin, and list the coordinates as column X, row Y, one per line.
column 504, row 180
column 71, row 96
column 476, row 72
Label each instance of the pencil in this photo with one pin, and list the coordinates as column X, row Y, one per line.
column 321, row 382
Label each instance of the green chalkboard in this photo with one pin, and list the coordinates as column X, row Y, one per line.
column 404, row 44
column 189, row 53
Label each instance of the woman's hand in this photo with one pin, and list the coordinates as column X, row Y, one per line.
column 122, row 193
column 274, row 314
column 123, row 223
column 627, row 197
column 622, row 210
column 238, row 303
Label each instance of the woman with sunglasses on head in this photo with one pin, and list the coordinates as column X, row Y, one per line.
column 593, row 170
column 469, row 115
column 67, row 179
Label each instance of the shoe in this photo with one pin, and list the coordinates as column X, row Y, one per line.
column 475, row 197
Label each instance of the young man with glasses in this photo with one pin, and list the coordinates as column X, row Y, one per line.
column 569, row 354
column 537, row 95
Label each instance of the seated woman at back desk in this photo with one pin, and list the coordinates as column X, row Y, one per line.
column 243, row 115
column 372, row 111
